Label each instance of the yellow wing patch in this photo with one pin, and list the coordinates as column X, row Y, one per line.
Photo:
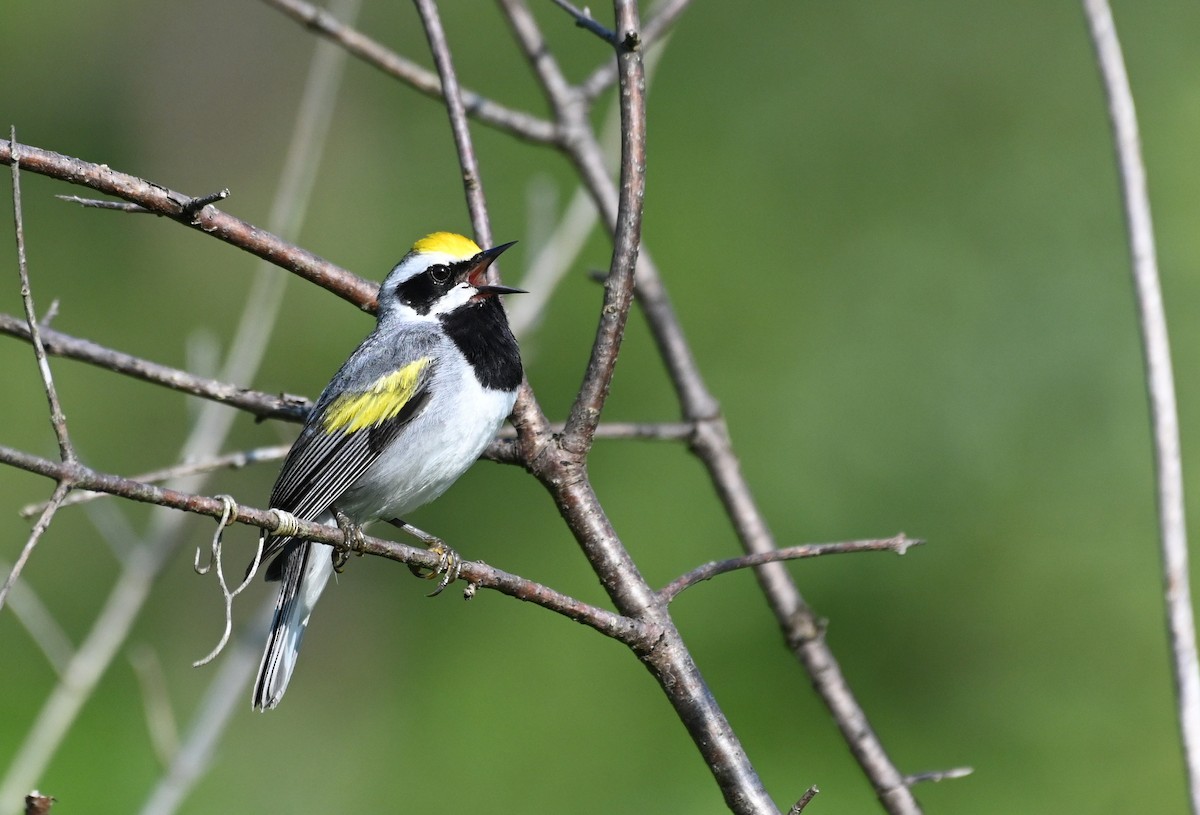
column 383, row 400
column 448, row 242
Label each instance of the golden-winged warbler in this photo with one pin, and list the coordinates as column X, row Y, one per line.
column 404, row 417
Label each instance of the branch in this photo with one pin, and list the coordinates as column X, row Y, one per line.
column 467, row 161
column 936, row 776
column 804, row 801
column 229, row 461
column 655, row 29
column 583, row 19
column 711, row 442
column 899, row 544
column 58, row 419
column 176, row 206
column 141, row 565
column 585, row 412
column 517, row 123
column 263, row 405
column 1160, row 385
column 631, row 632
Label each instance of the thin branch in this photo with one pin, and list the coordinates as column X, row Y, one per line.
column 801, row 626
column 175, row 205
column 96, row 203
column 266, row 406
column 481, row 574
column 39, row 528
column 808, row 795
column 561, row 466
column 583, row 19
column 585, row 412
column 143, row 564
column 658, row 24
column 229, row 461
column 517, row 123
column 467, row 160
column 498, row 451
column 58, row 419
column 711, row 442
column 1160, row 385
column 899, row 544
column 934, row 776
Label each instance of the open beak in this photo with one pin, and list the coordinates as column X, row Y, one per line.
column 477, row 275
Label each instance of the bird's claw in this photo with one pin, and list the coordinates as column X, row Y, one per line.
column 448, row 566
column 352, row 535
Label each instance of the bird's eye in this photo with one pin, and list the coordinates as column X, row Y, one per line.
column 439, row 273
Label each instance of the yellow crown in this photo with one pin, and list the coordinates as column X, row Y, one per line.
column 449, row 243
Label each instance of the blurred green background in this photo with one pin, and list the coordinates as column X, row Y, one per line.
column 893, row 234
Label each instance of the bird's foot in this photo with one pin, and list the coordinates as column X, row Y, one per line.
column 352, row 536
column 449, row 561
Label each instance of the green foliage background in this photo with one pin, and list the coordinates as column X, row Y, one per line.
column 893, row 234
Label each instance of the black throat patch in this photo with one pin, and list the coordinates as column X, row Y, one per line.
column 481, row 332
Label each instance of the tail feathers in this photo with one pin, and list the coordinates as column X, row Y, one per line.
column 306, row 570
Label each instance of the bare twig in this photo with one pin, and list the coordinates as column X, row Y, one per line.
column 898, row 544
column 518, row 123
column 934, row 776
column 96, row 203
column 174, row 205
column 560, row 464
column 481, row 574
column 712, row 444
column 808, row 795
column 551, row 263
column 39, row 528
column 229, row 461
column 143, row 564
column 658, row 24
column 57, row 418
column 1160, row 384
column 499, row 451
column 583, row 19
column 471, row 178
column 263, row 405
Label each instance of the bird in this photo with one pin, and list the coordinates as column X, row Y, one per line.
column 407, row 414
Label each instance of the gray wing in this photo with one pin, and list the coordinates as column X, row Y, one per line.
column 379, row 390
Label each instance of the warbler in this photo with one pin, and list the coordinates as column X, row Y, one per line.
column 405, row 416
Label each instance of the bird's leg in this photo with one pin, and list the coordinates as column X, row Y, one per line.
column 449, row 561
column 350, row 532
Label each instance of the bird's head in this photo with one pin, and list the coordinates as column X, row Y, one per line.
column 442, row 273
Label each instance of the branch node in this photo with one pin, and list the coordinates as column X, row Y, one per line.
column 191, row 210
